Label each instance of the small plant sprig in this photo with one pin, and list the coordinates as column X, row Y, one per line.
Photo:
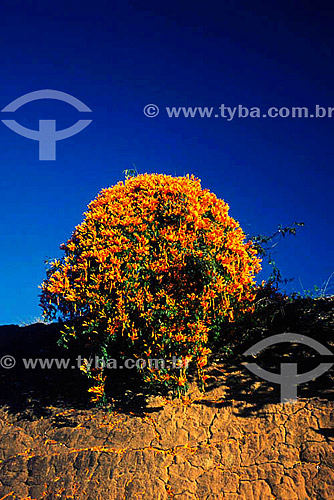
column 130, row 172
column 264, row 246
column 317, row 292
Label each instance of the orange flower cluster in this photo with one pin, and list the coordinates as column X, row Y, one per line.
column 157, row 261
column 97, row 390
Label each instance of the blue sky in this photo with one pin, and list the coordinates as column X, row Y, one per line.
column 117, row 57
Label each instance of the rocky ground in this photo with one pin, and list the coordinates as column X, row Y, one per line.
column 235, row 441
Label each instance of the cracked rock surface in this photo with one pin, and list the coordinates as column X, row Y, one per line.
column 193, row 449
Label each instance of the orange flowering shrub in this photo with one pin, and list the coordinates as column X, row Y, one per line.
column 158, row 264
